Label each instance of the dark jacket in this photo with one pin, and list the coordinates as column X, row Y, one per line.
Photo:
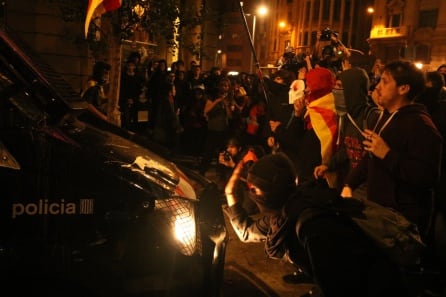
column 326, row 245
column 356, row 116
column 405, row 178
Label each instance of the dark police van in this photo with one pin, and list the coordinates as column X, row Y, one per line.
column 87, row 208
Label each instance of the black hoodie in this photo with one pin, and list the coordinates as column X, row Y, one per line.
column 406, row 177
column 357, row 115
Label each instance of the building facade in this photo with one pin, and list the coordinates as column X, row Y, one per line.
column 396, row 29
column 411, row 29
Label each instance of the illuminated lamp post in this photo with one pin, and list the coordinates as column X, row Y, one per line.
column 261, row 11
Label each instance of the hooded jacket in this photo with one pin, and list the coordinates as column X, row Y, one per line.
column 406, row 177
column 355, row 116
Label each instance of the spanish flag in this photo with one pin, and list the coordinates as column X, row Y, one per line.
column 323, row 118
column 96, row 8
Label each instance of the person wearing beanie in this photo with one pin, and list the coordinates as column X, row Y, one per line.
column 275, row 178
column 303, row 224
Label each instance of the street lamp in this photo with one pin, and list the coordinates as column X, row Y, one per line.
column 217, row 61
column 261, row 11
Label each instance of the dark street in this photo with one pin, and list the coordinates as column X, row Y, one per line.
column 250, row 273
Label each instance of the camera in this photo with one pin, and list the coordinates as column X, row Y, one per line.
column 326, row 34
column 226, row 156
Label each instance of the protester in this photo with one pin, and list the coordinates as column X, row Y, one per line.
column 329, row 247
column 280, row 111
column 404, row 148
column 256, row 121
column 95, row 90
column 442, row 70
column 194, row 122
column 131, row 88
column 315, row 123
column 167, row 124
column 354, row 115
column 218, row 112
column 432, row 99
column 235, row 152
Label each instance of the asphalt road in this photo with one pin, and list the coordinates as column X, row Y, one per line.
column 249, row 273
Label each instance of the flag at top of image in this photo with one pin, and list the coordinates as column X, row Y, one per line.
column 98, row 7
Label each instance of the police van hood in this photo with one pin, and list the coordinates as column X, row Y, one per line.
column 114, row 149
column 37, row 90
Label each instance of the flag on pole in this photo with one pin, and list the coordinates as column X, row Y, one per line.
column 98, row 7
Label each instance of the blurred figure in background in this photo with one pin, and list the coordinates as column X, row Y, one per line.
column 194, row 122
column 131, row 87
column 218, row 112
column 95, row 90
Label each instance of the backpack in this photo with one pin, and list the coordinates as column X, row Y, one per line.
column 391, row 232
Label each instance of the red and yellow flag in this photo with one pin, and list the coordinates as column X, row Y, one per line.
column 322, row 113
column 98, row 7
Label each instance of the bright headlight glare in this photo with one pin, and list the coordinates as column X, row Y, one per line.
column 185, row 229
column 181, row 219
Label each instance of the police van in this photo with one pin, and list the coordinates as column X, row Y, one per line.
column 88, row 209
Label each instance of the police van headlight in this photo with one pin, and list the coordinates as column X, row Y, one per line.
column 179, row 215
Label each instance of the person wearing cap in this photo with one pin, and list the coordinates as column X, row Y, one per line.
column 293, row 225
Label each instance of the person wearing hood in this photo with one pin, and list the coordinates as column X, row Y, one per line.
column 295, row 227
column 279, row 109
column 404, row 147
column 354, row 115
column 282, row 131
column 315, row 125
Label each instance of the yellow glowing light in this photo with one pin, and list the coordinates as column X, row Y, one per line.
column 185, row 233
column 419, row 65
column 262, row 10
column 138, row 10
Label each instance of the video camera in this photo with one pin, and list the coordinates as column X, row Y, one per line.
column 226, row 156
column 326, row 34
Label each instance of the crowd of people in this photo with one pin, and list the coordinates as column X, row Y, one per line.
column 316, row 131
column 387, row 143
